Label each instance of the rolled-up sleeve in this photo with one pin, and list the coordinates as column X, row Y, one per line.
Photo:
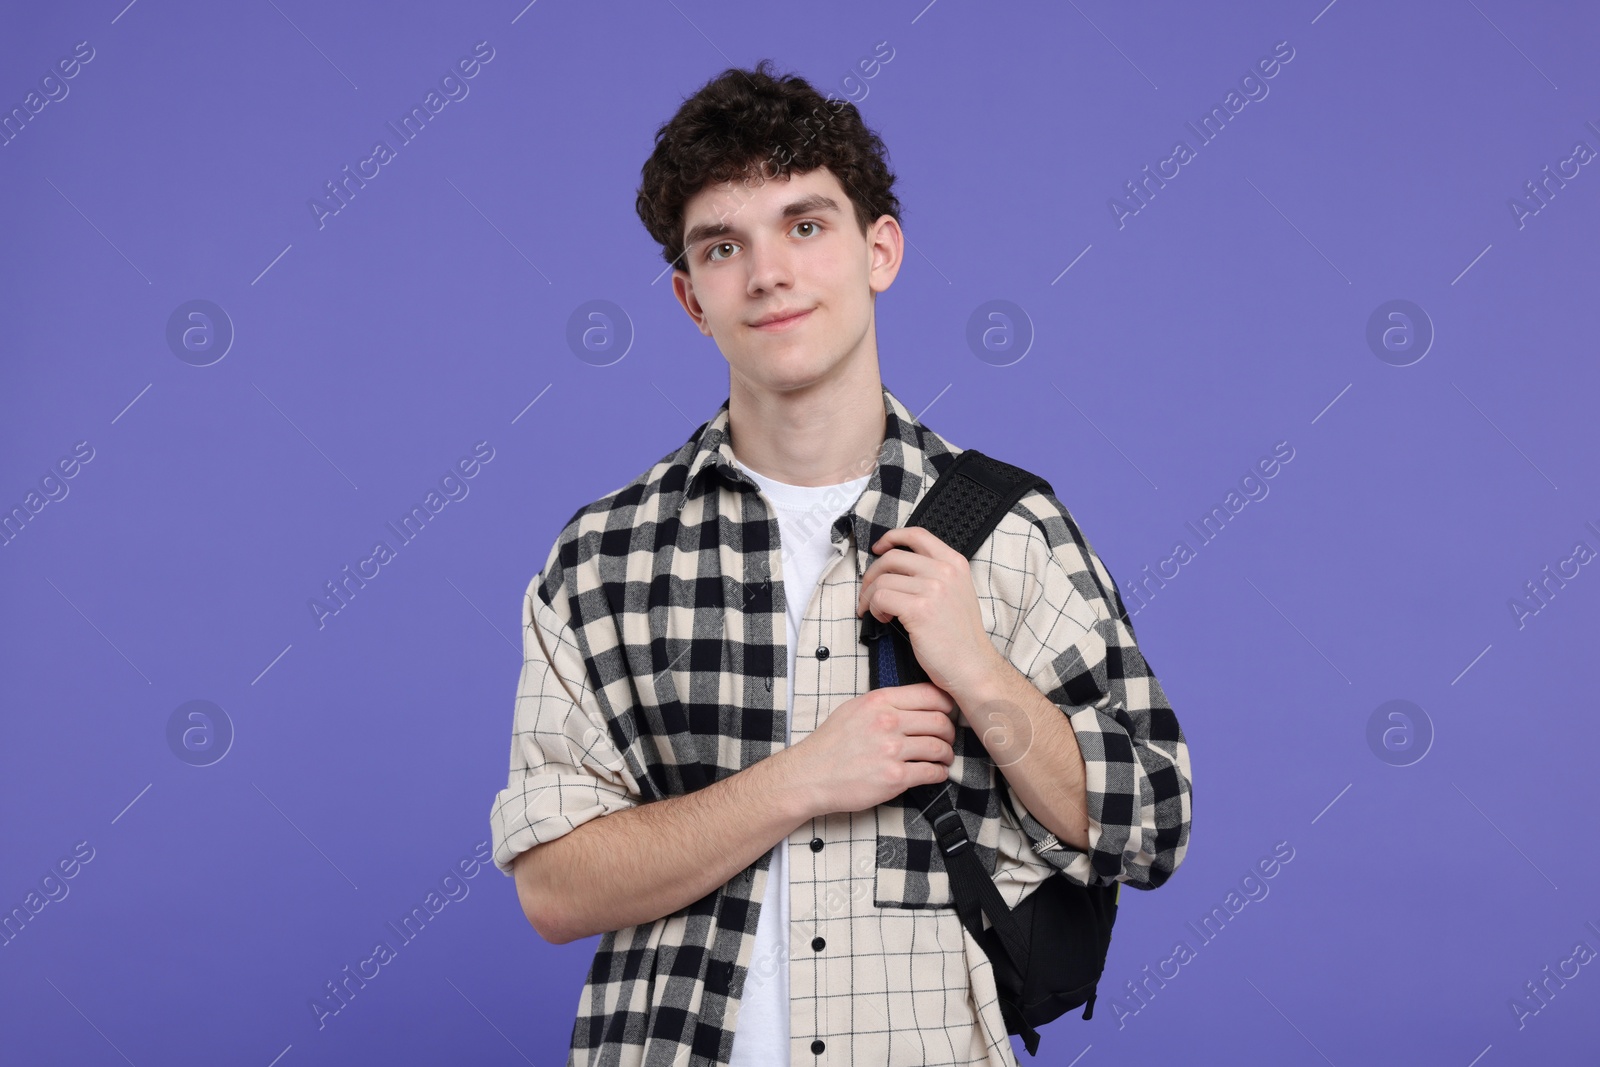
column 1078, row 648
column 565, row 768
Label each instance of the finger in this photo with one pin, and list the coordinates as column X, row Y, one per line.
column 888, row 578
column 931, row 723
column 896, row 563
column 918, row 539
column 927, row 749
column 918, row 696
column 901, row 588
column 904, row 558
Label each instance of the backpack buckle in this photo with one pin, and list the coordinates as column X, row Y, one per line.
column 951, row 831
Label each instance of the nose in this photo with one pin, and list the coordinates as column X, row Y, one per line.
column 770, row 267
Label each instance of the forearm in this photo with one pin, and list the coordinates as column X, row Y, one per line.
column 636, row 865
column 1034, row 746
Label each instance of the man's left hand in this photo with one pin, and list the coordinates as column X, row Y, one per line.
column 927, row 586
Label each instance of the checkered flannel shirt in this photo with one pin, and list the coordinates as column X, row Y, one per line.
column 655, row 664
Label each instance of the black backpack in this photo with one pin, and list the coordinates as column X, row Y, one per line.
column 1050, row 951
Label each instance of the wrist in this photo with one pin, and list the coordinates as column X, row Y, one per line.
column 791, row 788
column 993, row 679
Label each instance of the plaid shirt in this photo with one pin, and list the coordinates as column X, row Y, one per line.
column 655, row 664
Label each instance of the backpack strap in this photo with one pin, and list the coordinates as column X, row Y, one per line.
column 967, row 501
column 962, row 508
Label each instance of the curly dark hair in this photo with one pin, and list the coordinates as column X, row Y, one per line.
column 749, row 124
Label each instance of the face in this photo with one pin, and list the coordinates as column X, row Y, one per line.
column 785, row 247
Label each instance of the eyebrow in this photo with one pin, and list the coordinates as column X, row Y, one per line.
column 812, row 204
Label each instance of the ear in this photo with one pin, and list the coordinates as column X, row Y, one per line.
column 886, row 251
column 683, row 289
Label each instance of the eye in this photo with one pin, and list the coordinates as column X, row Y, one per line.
column 711, row 250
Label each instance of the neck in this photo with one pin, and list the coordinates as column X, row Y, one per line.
column 824, row 434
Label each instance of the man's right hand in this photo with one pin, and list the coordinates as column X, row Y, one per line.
column 875, row 746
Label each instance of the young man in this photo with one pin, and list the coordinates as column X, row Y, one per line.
column 699, row 771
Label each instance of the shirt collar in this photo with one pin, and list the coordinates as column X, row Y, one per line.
column 908, row 461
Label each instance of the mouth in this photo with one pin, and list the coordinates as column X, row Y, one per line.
column 780, row 324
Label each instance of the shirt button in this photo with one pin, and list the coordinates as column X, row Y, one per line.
column 817, row 1046
column 816, row 844
column 822, row 653
column 818, row 944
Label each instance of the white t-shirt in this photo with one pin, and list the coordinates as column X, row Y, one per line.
column 805, row 518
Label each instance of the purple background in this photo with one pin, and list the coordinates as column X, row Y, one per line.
column 1230, row 313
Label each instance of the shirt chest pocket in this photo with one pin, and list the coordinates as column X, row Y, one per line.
column 909, row 872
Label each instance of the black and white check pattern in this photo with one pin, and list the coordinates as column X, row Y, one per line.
column 655, row 662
